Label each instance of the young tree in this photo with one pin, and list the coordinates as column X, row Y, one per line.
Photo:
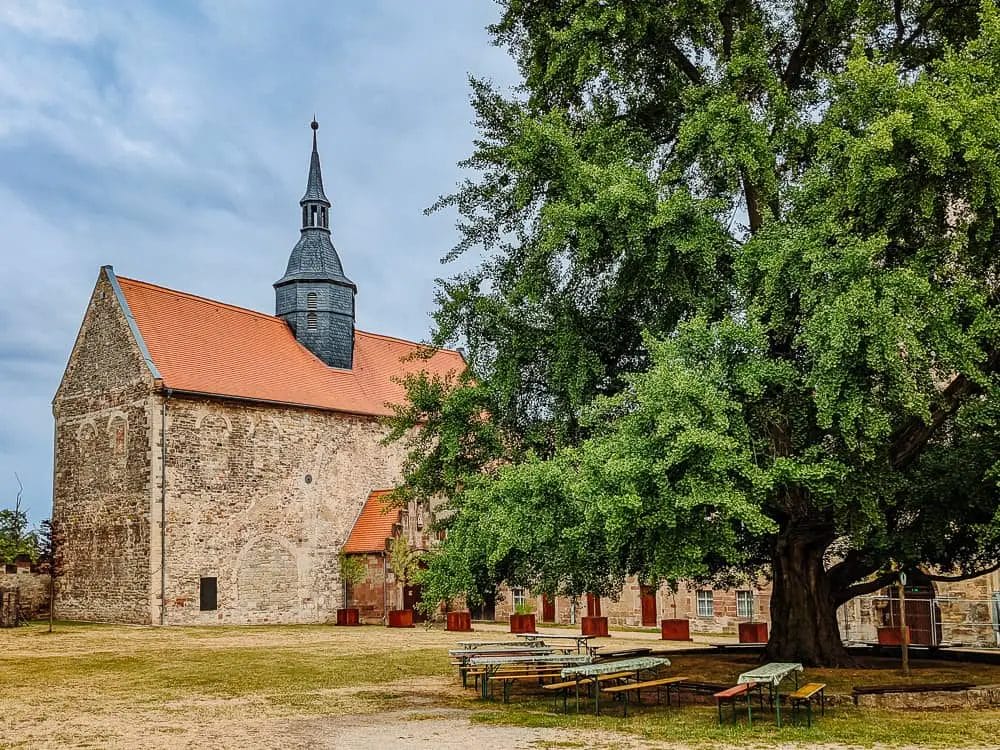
column 352, row 572
column 15, row 537
column 739, row 308
column 404, row 561
column 51, row 542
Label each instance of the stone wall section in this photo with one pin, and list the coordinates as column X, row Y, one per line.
column 33, row 590
column 101, row 487
column 262, row 498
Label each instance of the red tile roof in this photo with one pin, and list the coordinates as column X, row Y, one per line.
column 373, row 528
column 203, row 346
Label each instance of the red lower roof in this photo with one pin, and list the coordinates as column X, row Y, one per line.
column 374, row 527
column 203, row 346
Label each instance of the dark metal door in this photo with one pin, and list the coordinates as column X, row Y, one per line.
column 411, row 598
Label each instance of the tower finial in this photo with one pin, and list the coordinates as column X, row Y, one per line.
column 315, row 126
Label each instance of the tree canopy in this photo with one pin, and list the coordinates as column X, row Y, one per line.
column 738, row 305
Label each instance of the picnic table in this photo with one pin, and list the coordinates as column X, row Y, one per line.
column 582, row 641
column 491, row 664
column 771, row 675
column 594, row 672
column 508, row 648
column 469, row 645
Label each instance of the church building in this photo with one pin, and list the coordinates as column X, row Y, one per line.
column 212, row 462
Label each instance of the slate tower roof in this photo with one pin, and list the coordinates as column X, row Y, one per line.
column 314, row 296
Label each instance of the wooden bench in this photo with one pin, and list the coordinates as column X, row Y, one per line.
column 729, row 695
column 805, row 696
column 628, row 687
column 520, row 670
column 565, row 686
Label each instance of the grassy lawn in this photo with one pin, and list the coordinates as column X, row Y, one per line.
column 290, row 686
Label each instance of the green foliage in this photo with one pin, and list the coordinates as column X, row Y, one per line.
column 739, row 296
column 352, row 569
column 15, row 536
column 404, row 561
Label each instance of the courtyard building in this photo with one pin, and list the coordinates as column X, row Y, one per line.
column 211, row 461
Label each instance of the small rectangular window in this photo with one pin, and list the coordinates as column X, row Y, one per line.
column 519, row 596
column 209, row 594
column 744, row 604
column 706, row 604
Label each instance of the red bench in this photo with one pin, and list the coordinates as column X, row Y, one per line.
column 730, row 695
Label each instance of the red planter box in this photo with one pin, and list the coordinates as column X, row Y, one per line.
column 891, row 636
column 594, row 626
column 348, row 616
column 400, row 618
column 675, row 630
column 753, row 632
column 459, row 622
column 522, row 623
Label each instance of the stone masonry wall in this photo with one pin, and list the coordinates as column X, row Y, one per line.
column 101, row 495
column 262, row 498
column 33, row 590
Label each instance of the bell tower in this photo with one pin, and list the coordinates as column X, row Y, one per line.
column 314, row 296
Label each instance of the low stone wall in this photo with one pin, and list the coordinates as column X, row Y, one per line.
column 982, row 696
column 34, row 589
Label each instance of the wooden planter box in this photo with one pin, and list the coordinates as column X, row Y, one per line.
column 753, row 632
column 675, row 630
column 891, row 636
column 594, row 626
column 459, row 622
column 400, row 618
column 522, row 623
column 348, row 616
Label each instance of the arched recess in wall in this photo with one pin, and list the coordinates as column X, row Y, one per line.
column 214, row 450
column 266, row 445
column 267, row 578
column 88, row 457
column 118, row 450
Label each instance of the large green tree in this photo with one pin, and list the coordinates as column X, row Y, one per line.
column 738, row 306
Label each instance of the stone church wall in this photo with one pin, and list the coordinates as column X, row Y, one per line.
column 102, row 492
column 262, row 498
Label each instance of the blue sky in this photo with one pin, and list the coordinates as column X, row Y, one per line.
column 171, row 140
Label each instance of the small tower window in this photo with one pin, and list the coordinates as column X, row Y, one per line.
column 312, row 301
column 315, row 210
column 305, row 216
column 311, row 322
column 322, row 213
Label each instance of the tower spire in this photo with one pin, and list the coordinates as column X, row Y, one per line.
column 314, row 186
column 314, row 296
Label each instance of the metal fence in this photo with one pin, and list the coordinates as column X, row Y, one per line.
column 939, row 621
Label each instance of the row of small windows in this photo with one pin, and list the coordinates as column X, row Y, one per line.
column 744, row 604
column 314, row 216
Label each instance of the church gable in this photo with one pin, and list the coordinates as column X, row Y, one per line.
column 108, row 355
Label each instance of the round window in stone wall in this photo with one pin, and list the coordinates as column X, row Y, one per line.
column 309, row 478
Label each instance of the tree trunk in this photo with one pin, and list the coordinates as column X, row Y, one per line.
column 803, row 614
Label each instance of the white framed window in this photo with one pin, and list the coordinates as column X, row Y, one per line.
column 518, row 596
column 706, row 603
column 744, row 604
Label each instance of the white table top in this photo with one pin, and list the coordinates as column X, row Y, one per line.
column 773, row 673
column 622, row 665
column 492, row 661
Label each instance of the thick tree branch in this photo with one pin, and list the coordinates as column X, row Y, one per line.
column 681, row 61
column 907, row 442
column 961, row 576
column 866, row 587
column 811, row 14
